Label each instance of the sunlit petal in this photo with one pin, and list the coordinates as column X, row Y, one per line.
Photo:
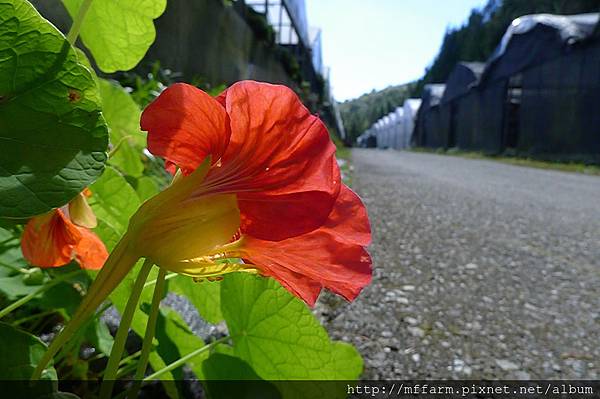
column 50, row 239
column 90, row 251
column 185, row 125
column 81, row 213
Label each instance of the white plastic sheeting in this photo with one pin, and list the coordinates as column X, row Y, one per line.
column 398, row 129
column 393, row 130
column 383, row 134
column 411, row 107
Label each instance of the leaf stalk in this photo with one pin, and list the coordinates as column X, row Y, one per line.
column 78, row 21
column 116, row 353
column 149, row 335
column 181, row 361
column 35, row 293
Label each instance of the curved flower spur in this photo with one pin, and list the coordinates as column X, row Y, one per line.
column 256, row 179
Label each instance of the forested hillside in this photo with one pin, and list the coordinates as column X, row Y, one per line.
column 479, row 36
column 473, row 41
column 359, row 114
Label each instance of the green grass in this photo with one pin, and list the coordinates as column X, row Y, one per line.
column 573, row 167
column 344, row 153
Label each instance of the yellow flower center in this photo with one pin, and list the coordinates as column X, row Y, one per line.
column 186, row 233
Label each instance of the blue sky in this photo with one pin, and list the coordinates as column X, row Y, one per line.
column 371, row 44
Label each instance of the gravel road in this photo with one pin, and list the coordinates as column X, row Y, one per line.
column 481, row 270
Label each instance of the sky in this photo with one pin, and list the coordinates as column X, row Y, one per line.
column 372, row 44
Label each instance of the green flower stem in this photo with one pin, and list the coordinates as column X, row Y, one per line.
column 35, row 293
column 114, row 150
column 167, row 277
column 126, row 370
column 33, row 317
column 76, row 27
column 125, row 364
column 149, row 335
column 181, row 361
column 119, row 345
column 129, row 358
column 16, row 268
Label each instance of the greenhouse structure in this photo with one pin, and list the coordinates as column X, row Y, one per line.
column 398, row 129
column 535, row 95
column 393, row 130
column 429, row 127
column 410, row 107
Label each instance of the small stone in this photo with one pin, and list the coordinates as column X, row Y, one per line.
column 387, row 334
column 416, row 332
column 506, row 365
column 416, row 357
column 408, row 288
column 521, row 375
column 556, row 368
column 471, row 266
column 458, row 364
column 411, row 320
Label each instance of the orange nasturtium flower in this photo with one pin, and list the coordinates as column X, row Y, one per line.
column 259, row 181
column 255, row 179
column 61, row 235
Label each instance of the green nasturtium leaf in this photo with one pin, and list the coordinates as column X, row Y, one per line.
column 63, row 296
column 146, row 187
column 347, row 364
column 98, row 334
column 278, row 336
column 230, row 377
column 175, row 340
column 14, row 287
column 118, row 33
column 20, row 354
column 225, row 367
column 205, row 296
column 123, row 117
column 275, row 333
column 11, row 257
column 52, row 133
column 113, row 201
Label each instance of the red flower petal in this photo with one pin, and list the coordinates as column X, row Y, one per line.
column 277, row 217
column 49, row 240
column 280, row 159
column 304, row 288
column 332, row 256
column 349, row 219
column 314, row 259
column 185, row 125
column 90, row 251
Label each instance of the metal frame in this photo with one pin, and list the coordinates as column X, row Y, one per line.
column 296, row 35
